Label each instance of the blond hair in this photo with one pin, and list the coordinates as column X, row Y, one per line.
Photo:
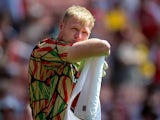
column 80, row 13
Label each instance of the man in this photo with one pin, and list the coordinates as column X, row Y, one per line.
column 55, row 64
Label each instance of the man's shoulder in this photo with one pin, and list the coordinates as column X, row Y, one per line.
column 52, row 40
column 44, row 46
column 49, row 40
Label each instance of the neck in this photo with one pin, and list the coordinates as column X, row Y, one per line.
column 59, row 39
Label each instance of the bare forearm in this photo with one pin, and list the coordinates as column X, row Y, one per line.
column 89, row 48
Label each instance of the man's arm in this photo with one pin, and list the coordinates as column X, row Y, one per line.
column 88, row 48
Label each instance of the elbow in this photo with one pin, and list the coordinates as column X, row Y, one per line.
column 106, row 48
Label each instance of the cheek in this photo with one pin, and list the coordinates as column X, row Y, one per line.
column 68, row 35
column 71, row 33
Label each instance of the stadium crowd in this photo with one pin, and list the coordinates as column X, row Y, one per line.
column 131, row 88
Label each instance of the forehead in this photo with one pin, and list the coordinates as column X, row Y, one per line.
column 77, row 22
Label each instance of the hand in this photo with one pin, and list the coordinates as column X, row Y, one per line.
column 105, row 67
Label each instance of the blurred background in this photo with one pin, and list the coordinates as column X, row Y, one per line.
column 131, row 89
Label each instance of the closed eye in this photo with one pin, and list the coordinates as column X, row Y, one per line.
column 85, row 33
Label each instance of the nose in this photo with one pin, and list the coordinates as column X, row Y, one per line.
column 78, row 35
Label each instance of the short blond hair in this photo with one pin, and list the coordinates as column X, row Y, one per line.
column 80, row 13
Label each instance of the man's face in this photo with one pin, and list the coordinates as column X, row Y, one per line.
column 73, row 31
